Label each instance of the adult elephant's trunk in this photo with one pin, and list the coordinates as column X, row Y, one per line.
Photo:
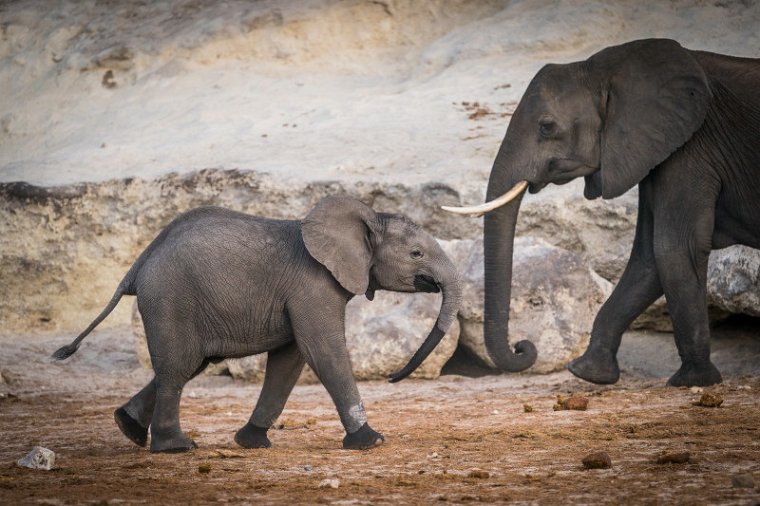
column 498, row 243
column 448, row 281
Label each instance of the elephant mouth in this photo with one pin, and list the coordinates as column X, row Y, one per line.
column 425, row 283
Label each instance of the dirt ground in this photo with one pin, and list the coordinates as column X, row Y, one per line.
column 454, row 440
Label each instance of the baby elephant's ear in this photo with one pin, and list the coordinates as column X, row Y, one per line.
column 337, row 233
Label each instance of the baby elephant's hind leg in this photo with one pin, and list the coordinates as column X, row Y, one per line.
column 133, row 418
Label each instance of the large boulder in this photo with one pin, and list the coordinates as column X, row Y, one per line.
column 555, row 296
column 381, row 336
column 733, row 280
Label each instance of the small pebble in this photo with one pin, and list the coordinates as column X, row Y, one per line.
column 709, row 400
column 433, row 455
column 495, row 412
column 598, row 460
column 308, row 468
column 744, row 387
column 743, row 481
column 38, row 458
column 527, row 408
column 697, row 390
column 575, row 402
column 204, row 468
column 329, row 483
column 674, row 458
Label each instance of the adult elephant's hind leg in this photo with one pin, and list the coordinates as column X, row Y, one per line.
column 284, row 366
column 637, row 289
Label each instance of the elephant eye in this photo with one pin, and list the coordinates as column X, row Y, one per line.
column 417, row 254
column 546, row 127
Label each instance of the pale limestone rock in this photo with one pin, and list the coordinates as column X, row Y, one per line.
column 733, row 280
column 38, row 458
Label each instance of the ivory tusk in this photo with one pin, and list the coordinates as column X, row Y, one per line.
column 496, row 203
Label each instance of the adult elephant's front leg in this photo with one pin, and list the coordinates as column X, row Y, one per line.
column 284, row 366
column 323, row 344
column 682, row 251
column 637, row 289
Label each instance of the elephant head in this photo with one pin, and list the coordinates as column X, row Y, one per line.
column 610, row 119
column 367, row 251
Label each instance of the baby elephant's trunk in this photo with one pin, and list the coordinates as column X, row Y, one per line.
column 448, row 282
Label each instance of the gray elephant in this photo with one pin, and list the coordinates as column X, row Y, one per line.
column 217, row 283
column 685, row 126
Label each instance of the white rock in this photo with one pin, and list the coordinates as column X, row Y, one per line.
column 329, row 483
column 38, row 458
column 733, row 280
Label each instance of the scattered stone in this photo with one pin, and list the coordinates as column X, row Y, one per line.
column 709, row 400
column 479, row 474
column 697, row 390
column 38, row 458
column 308, row 468
column 674, row 458
column 329, row 483
column 575, row 402
column 433, row 455
column 527, row 408
column 598, row 460
column 743, row 480
column 204, row 468
column 495, row 412
column 744, row 387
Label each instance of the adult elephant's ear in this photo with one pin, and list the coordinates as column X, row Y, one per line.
column 655, row 97
column 338, row 233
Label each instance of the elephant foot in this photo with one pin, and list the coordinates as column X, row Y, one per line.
column 251, row 436
column 363, row 439
column 170, row 442
column 131, row 427
column 693, row 375
column 597, row 367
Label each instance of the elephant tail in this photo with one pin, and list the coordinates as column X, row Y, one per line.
column 126, row 287
column 68, row 350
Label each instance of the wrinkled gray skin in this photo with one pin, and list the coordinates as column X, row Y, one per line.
column 217, row 284
column 685, row 126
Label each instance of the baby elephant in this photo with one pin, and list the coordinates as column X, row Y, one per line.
column 218, row 284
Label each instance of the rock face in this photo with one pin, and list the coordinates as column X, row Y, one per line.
column 381, row 335
column 555, row 297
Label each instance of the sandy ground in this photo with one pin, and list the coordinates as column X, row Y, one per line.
column 455, row 440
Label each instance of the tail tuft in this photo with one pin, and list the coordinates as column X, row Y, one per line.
column 65, row 352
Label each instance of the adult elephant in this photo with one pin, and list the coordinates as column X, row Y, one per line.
column 685, row 126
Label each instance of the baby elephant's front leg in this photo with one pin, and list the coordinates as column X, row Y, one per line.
column 325, row 351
